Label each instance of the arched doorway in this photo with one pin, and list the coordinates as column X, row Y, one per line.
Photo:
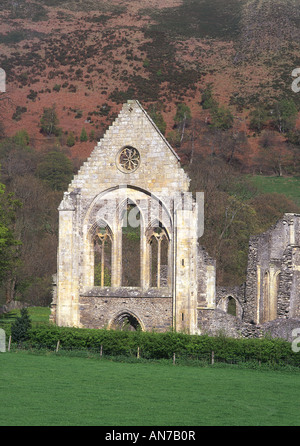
column 126, row 321
column 231, row 306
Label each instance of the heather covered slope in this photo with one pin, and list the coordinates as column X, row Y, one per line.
column 88, row 57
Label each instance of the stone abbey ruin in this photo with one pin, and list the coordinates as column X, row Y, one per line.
column 134, row 176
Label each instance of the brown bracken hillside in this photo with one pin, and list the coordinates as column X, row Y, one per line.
column 87, row 57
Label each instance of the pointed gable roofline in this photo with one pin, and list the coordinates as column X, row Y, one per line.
column 135, row 101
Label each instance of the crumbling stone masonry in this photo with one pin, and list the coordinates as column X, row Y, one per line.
column 133, row 171
column 133, row 165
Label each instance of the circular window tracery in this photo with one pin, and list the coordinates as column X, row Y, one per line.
column 128, row 159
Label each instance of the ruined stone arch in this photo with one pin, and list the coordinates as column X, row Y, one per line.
column 109, row 208
column 98, row 236
column 160, row 255
column 225, row 304
column 125, row 319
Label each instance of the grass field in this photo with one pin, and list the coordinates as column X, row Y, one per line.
column 51, row 390
column 38, row 315
column 289, row 186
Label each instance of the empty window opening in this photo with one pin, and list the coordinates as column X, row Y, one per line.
column 159, row 252
column 102, row 257
column 231, row 307
column 131, row 246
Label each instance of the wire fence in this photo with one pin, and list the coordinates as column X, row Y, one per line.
column 141, row 356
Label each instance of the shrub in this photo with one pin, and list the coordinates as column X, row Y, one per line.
column 21, row 326
column 83, row 135
column 162, row 345
column 71, row 140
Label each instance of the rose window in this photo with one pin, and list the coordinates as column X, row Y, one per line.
column 128, row 159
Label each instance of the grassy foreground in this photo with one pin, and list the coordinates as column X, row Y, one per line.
column 39, row 390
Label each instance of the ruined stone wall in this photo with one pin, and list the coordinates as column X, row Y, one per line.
column 217, row 322
column 152, row 312
column 272, row 272
column 295, row 285
column 236, row 292
column 206, row 277
column 100, row 192
column 159, row 170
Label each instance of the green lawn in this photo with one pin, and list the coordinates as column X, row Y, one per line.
column 55, row 390
column 289, row 186
column 38, row 315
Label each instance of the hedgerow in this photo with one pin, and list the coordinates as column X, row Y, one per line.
column 154, row 345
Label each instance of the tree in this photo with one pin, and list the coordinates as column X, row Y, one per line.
column 49, row 121
column 19, row 329
column 30, row 278
column 258, row 118
column 8, row 243
column 285, row 115
column 158, row 119
column 274, row 154
column 230, row 145
column 207, row 99
column 21, row 138
column 183, row 115
column 56, row 170
column 2, row 130
column 71, row 139
column 92, row 135
column 83, row 136
column 222, row 118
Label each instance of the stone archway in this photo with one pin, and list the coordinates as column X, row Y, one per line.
column 126, row 321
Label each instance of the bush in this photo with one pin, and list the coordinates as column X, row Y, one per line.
column 83, row 135
column 71, row 139
column 163, row 345
column 21, row 326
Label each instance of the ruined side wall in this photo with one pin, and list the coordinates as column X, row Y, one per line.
column 274, row 254
column 206, row 271
column 295, row 283
column 154, row 312
column 217, row 322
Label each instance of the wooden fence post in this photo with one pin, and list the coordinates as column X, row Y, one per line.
column 138, row 352
column 101, row 350
column 212, row 357
column 9, row 342
column 174, row 358
column 57, row 345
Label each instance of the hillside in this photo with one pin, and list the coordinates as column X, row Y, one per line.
column 216, row 78
column 87, row 57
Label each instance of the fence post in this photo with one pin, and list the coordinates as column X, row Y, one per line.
column 57, row 345
column 9, row 343
column 101, row 350
column 138, row 352
column 174, row 358
column 212, row 357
